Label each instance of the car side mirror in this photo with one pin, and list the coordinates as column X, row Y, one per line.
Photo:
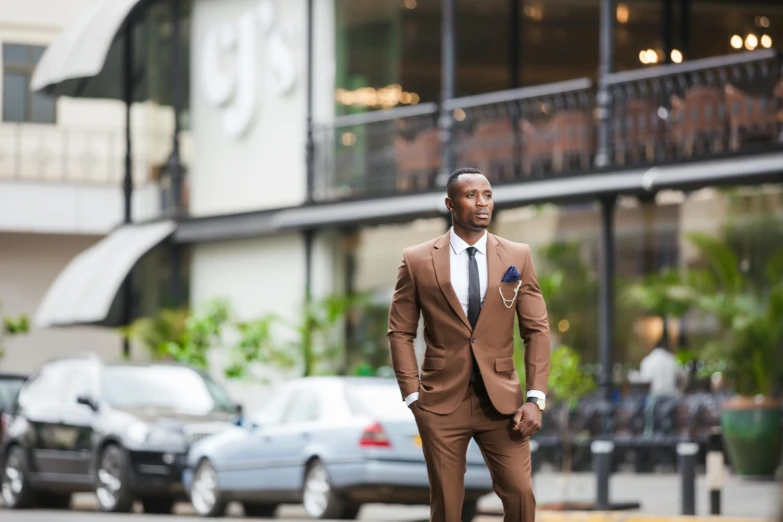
column 87, row 401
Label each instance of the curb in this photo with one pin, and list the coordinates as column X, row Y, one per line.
column 610, row 516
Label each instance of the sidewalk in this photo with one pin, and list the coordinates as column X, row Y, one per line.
column 658, row 494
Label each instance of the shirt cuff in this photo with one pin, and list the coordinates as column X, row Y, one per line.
column 410, row 399
column 537, row 394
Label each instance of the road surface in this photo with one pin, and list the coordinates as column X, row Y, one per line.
column 658, row 494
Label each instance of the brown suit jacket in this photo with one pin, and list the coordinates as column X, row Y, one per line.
column 424, row 284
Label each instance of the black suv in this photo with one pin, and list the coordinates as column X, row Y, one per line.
column 119, row 430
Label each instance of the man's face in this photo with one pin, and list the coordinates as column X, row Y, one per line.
column 470, row 202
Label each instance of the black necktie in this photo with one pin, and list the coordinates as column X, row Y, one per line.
column 474, row 301
column 474, row 288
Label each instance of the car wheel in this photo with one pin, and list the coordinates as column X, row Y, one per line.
column 15, row 488
column 204, row 492
column 157, row 506
column 469, row 510
column 259, row 510
column 113, row 481
column 320, row 499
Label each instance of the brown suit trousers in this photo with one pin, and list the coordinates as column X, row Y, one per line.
column 450, row 411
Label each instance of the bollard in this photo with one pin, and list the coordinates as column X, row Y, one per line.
column 686, row 452
column 715, row 465
column 602, row 464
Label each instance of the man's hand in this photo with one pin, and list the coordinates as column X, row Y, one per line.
column 527, row 419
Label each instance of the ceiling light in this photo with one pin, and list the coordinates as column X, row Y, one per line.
column 766, row 41
column 623, row 13
column 736, row 41
column 751, row 42
column 676, row 56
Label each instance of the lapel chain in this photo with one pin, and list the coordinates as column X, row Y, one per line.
column 508, row 303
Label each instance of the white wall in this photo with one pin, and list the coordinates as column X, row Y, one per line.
column 29, row 263
column 42, row 208
column 259, row 277
column 263, row 166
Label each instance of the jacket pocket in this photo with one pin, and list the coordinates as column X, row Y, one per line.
column 504, row 364
column 433, row 363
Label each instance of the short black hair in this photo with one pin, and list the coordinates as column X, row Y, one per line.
column 459, row 172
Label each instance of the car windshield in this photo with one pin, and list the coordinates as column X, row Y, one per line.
column 9, row 387
column 377, row 399
column 170, row 387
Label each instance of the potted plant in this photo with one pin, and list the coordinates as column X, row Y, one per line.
column 751, row 344
column 748, row 308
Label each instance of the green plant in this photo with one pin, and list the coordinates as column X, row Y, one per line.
column 570, row 289
column 747, row 306
column 750, row 314
column 13, row 326
column 317, row 340
column 187, row 337
column 568, row 380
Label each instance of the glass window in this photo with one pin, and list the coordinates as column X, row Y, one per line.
column 15, row 95
column 274, row 408
column 9, row 387
column 304, row 407
column 19, row 103
column 161, row 386
column 376, row 399
column 82, row 377
column 47, row 386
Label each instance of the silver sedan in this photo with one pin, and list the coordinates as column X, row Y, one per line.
column 329, row 443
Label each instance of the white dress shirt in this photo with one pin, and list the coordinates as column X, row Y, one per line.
column 460, row 277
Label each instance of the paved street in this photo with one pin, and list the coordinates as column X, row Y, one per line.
column 658, row 495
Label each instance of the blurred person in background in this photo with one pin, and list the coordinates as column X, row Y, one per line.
column 469, row 284
column 666, row 378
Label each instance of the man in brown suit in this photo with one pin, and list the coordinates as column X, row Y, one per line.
column 468, row 284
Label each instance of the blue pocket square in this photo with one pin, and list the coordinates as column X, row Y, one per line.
column 511, row 275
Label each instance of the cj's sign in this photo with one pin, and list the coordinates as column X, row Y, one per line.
column 237, row 56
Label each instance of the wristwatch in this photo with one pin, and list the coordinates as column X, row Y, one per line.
column 541, row 403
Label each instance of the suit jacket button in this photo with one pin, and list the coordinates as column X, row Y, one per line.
column 473, row 339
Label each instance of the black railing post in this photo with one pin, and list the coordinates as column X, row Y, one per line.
column 603, row 98
column 606, row 296
column 175, row 160
column 445, row 120
column 310, row 144
column 602, row 451
column 127, row 182
column 686, row 453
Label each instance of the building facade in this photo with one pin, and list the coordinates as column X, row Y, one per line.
column 322, row 130
column 61, row 168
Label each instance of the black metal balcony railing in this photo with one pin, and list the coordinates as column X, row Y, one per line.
column 700, row 109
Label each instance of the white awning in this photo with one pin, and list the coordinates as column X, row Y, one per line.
column 84, row 291
column 75, row 64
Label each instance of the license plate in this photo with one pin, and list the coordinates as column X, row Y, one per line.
column 417, row 440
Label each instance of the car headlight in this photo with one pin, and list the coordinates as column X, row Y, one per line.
column 137, row 432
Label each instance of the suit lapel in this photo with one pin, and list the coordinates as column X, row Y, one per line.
column 494, row 275
column 441, row 260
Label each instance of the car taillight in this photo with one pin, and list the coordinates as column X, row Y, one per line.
column 374, row 437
